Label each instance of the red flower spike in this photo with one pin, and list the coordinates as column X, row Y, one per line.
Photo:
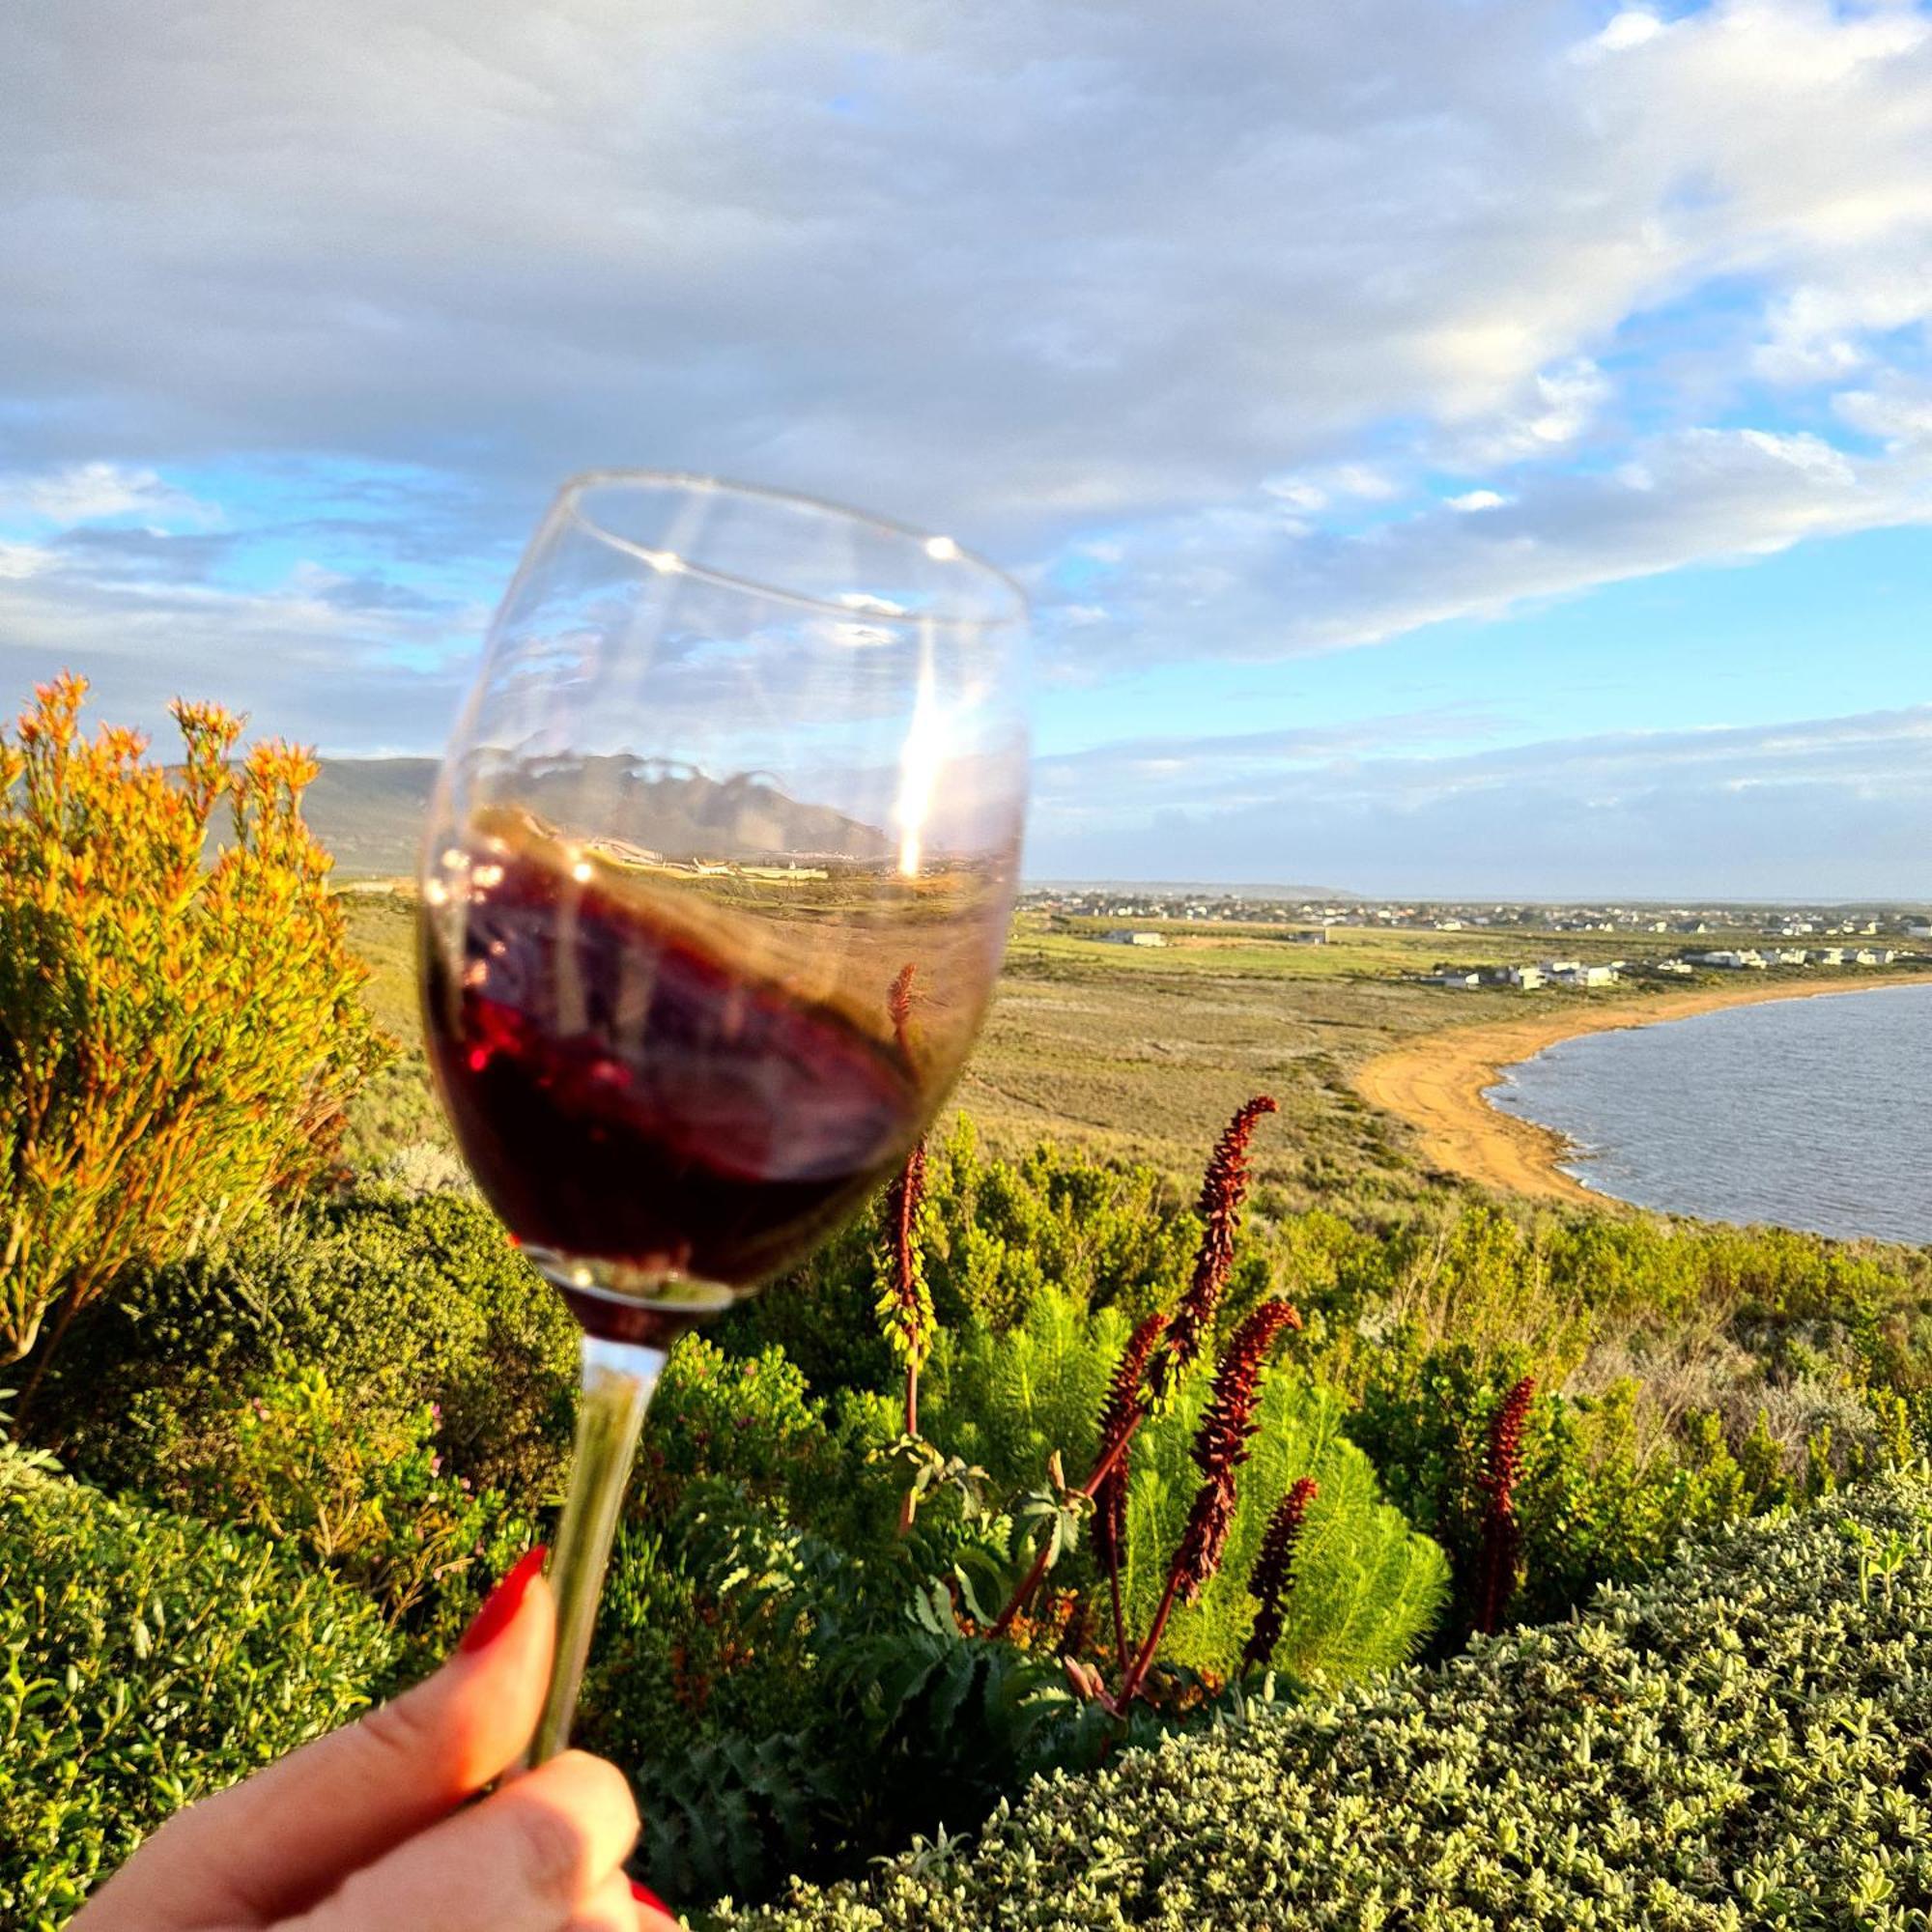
column 1274, row 1573
column 1221, row 1444
column 1502, row 1535
column 1126, row 1399
column 898, row 1005
column 906, row 1304
column 1223, row 1189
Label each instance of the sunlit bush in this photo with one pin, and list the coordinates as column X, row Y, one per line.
column 406, row 1302
column 177, row 1041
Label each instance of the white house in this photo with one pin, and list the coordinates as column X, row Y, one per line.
column 1585, row 976
column 1125, row 938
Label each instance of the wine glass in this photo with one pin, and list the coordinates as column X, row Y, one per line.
column 716, row 885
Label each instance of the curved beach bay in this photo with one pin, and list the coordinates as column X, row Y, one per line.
column 1808, row 1113
column 1442, row 1084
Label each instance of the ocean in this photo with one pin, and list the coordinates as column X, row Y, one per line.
column 1809, row 1113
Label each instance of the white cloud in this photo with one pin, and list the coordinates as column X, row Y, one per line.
column 81, row 492
column 1472, row 500
column 1898, row 412
column 1022, row 272
column 1231, row 581
column 1556, row 406
column 318, row 655
column 1025, row 257
column 1832, row 808
column 20, row 559
column 1629, row 29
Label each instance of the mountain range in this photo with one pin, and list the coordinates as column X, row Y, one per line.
column 370, row 812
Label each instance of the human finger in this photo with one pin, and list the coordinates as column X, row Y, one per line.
column 529, row 1858
column 613, row 1907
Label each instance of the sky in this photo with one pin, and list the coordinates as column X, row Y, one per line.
column 1453, row 446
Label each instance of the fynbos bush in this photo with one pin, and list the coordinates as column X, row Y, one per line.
column 176, row 1041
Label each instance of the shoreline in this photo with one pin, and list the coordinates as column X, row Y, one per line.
column 1435, row 1082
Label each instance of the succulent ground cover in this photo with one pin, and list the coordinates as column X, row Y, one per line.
column 1739, row 1743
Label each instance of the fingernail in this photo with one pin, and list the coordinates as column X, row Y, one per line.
column 645, row 1895
column 500, row 1606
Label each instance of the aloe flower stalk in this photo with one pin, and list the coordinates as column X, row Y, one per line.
column 899, row 1004
column 1273, row 1575
column 906, row 1301
column 1127, row 1400
column 1120, row 1415
column 1502, row 1534
column 1223, row 1189
column 1221, row 1446
column 1118, row 1420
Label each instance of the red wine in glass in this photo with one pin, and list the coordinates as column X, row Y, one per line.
column 629, row 1091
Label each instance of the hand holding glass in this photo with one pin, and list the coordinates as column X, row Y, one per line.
column 715, row 890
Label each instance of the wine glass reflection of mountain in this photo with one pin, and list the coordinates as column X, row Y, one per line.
column 674, row 813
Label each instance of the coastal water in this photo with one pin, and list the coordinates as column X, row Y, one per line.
column 1811, row 1113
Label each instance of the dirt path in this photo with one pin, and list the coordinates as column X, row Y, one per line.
column 1435, row 1082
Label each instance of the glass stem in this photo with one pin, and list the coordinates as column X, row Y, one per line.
column 618, row 1380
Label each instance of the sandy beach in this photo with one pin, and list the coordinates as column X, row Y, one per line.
column 1437, row 1081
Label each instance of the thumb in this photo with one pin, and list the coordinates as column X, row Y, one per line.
column 272, row 1845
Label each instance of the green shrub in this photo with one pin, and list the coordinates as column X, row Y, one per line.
column 823, row 1316
column 1367, row 1590
column 1367, row 1587
column 1007, row 1401
column 751, row 1422
column 1003, row 1230
column 1592, row 1507
column 358, row 1487
column 147, row 1661
column 998, row 1234
column 1736, row 1745
column 408, row 1302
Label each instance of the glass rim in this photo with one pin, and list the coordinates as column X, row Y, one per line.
column 937, row 549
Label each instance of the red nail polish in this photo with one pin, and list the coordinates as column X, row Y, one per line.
column 501, row 1605
column 645, row 1895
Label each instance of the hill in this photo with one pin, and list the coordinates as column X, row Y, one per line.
column 370, row 812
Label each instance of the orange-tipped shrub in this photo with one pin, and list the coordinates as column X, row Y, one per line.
column 177, row 1041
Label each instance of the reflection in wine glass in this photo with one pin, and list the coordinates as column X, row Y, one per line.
column 717, row 884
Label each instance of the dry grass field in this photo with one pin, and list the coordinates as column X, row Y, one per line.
column 1142, row 1053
